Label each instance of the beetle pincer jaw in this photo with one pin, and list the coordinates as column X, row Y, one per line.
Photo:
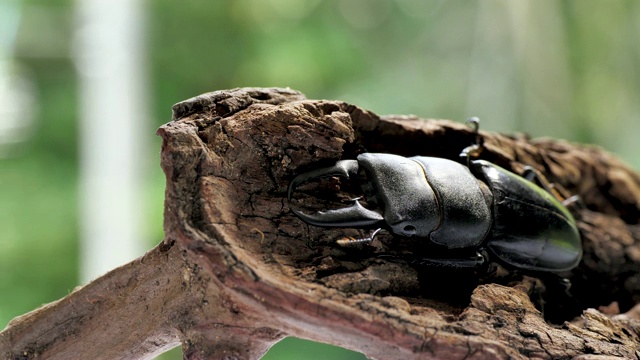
column 342, row 168
column 354, row 216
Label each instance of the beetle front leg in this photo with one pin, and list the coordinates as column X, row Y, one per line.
column 479, row 259
column 352, row 241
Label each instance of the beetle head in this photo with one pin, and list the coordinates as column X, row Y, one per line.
column 354, row 216
column 401, row 190
column 407, row 205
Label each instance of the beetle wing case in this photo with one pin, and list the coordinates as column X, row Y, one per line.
column 531, row 229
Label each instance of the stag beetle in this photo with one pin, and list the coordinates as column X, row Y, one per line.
column 478, row 209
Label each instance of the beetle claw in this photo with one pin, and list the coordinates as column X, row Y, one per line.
column 342, row 168
column 355, row 215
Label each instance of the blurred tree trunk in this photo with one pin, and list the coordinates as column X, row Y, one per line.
column 237, row 271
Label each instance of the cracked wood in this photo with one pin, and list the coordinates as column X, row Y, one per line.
column 237, row 271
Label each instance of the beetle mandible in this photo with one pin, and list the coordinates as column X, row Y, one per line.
column 475, row 208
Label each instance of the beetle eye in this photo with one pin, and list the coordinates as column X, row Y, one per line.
column 409, row 230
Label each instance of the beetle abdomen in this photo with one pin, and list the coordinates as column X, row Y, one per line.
column 532, row 229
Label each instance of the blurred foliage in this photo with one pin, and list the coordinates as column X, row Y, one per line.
column 294, row 349
column 564, row 69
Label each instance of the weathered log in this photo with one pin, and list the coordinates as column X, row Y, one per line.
column 237, row 271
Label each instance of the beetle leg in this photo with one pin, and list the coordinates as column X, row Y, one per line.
column 352, row 241
column 573, row 203
column 475, row 261
column 558, row 284
column 342, row 168
column 532, row 174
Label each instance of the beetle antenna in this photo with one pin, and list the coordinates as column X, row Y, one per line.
column 352, row 241
column 476, row 148
column 474, row 122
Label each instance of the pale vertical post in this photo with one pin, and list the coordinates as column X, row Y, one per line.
column 109, row 53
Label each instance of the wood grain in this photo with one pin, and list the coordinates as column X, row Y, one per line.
column 237, row 271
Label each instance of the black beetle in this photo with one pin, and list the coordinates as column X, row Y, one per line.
column 478, row 209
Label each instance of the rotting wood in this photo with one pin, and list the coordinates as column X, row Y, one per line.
column 237, row 271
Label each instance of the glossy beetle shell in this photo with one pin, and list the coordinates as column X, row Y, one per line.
column 444, row 202
column 429, row 197
column 531, row 229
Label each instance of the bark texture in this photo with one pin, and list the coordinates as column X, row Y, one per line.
column 237, row 271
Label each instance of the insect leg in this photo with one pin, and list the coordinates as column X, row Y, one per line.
column 352, row 241
column 477, row 260
column 556, row 190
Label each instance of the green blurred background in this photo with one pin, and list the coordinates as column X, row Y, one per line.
column 563, row 69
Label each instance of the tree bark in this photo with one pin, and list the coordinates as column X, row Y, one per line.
column 237, row 271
